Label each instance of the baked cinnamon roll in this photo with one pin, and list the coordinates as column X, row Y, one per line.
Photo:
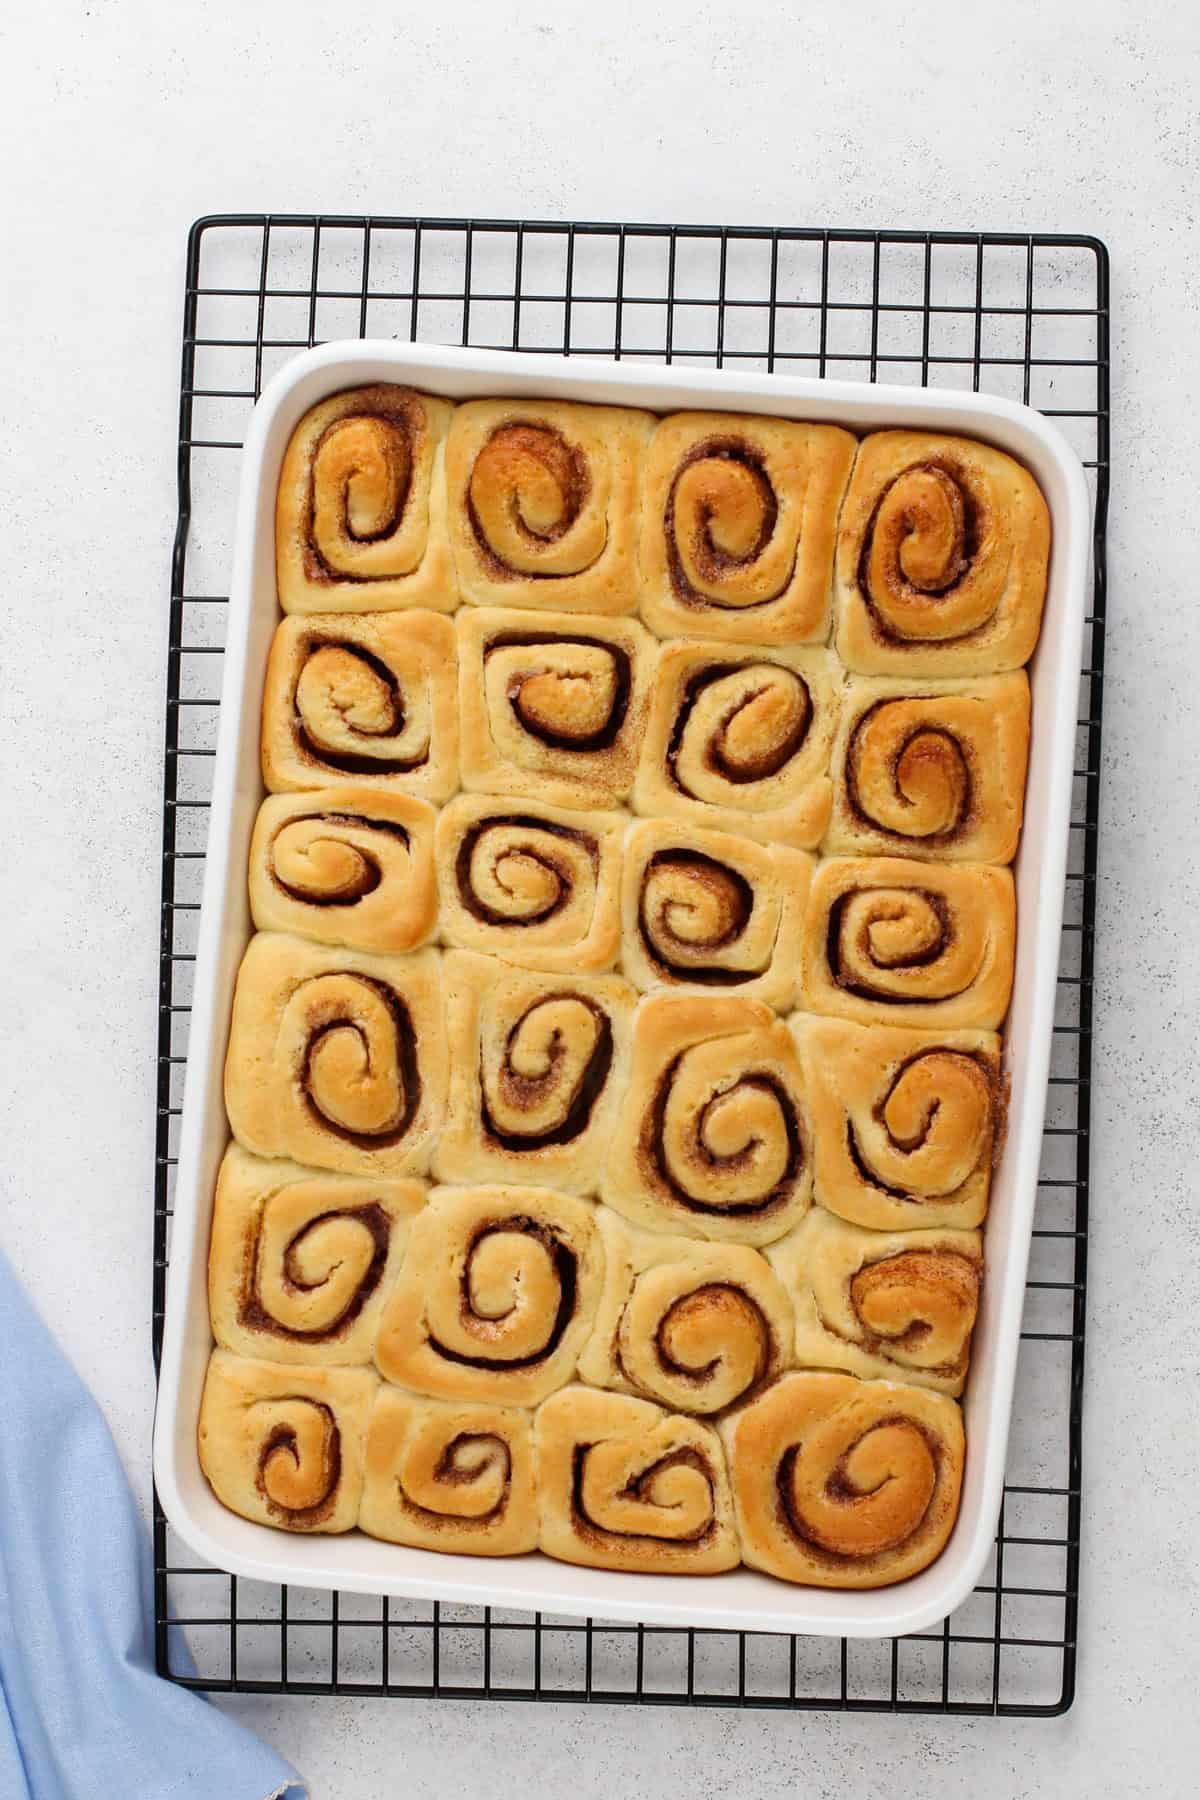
column 898, row 942
column 738, row 740
column 702, row 909
column 624, row 1485
column 284, row 1446
column 543, row 501
column 698, row 1327
column 535, row 884
column 896, row 1304
column 906, row 1124
column 934, row 769
column 298, row 1263
column 739, row 518
column 360, row 512
column 713, row 1138
column 346, row 865
column 941, row 559
column 552, row 708
column 496, row 1297
column 337, row 1059
column 372, row 699
column 538, row 1068
column 843, row 1483
column 445, row 1475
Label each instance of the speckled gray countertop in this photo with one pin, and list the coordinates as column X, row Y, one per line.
column 122, row 127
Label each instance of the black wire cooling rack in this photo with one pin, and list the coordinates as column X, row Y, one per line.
column 1023, row 316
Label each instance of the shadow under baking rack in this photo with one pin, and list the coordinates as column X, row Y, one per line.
column 1016, row 315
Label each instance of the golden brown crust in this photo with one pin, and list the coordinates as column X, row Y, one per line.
column 360, row 513
column 713, row 1138
column 337, row 1058
column 905, row 1123
column 891, row 941
column 554, row 707
column 542, row 500
column 739, row 738
column 894, row 1304
column 346, row 865
column 713, row 912
column 447, row 1475
column 607, row 820
column 844, row 1483
column 624, row 1485
column 284, row 1446
column 934, row 769
column 496, row 1297
column 739, row 517
column 299, row 1264
column 695, row 1326
column 941, row 561
column 538, row 1066
column 370, row 699
column 537, row 885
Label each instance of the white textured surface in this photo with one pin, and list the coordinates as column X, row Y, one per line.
column 121, row 122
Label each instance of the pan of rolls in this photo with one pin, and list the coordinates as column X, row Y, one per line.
column 624, row 991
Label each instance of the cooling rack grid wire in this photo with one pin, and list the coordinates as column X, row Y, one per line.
column 1022, row 316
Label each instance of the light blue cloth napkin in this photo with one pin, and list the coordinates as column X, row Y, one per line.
column 83, row 1716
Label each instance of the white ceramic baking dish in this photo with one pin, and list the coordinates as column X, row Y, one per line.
column 742, row 1600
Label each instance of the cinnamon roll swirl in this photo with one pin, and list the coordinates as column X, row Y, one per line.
column 535, row 884
column 906, row 1123
column 622, row 1484
column 739, row 517
column 552, row 708
column 496, row 1297
column 898, row 942
column 713, row 1138
column 337, row 1059
column 941, row 558
column 843, row 1483
column 935, row 769
column 347, row 865
column 543, row 503
column 360, row 512
column 538, row 1066
column 738, row 739
column 284, row 1446
column 698, row 1327
column 298, row 1264
column 895, row 1304
column 706, row 910
column 370, row 698
column 441, row 1475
